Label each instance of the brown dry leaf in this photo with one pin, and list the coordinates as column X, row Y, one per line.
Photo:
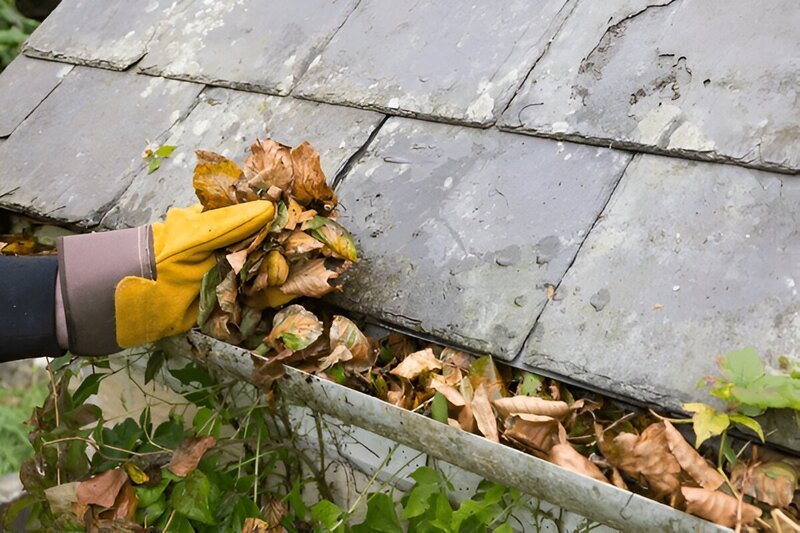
column 339, row 354
column 294, row 211
column 102, row 489
column 268, row 165
column 312, row 278
column 484, row 370
column 218, row 326
column 534, row 431
column 417, row 363
column 63, row 499
column 484, row 416
column 691, row 461
column 237, row 260
column 401, row 393
column 551, row 291
column 265, row 373
column 566, row 456
column 215, row 183
column 466, row 418
column 126, row 504
column 294, row 328
column 647, row 457
column 189, row 453
column 275, row 510
column 531, row 405
column 309, row 180
column 344, row 332
column 773, row 483
column 450, row 393
column 616, row 479
column 717, row 507
column 227, row 292
column 399, row 345
column 300, row 242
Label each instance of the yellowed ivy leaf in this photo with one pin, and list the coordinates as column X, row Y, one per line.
column 707, row 421
column 136, row 474
column 337, row 239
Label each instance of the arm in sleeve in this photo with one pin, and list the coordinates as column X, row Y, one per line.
column 28, row 307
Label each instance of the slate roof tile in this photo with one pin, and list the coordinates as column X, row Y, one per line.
column 80, row 148
column 715, row 80
column 428, row 59
column 460, row 230
column 99, row 33
column 689, row 260
column 260, row 45
column 23, row 85
column 227, row 122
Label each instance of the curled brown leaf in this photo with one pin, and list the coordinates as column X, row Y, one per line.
column 717, row 507
column 312, row 278
column 691, row 461
column 300, row 242
column 531, row 405
column 773, row 483
column 484, row 416
column 294, row 328
column 344, row 332
column 309, row 179
column 566, row 456
column 189, row 453
column 269, row 165
column 534, row 432
column 102, row 489
column 417, row 363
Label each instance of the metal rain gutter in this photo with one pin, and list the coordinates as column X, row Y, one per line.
column 574, row 492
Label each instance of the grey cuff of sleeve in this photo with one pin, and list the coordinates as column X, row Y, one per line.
column 89, row 268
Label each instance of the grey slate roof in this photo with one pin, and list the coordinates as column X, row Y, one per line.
column 640, row 158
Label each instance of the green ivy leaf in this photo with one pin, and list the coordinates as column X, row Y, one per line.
column 707, row 421
column 439, row 407
column 148, row 515
column 154, row 364
column 419, row 499
column 165, row 150
column 148, row 495
column 208, row 295
column 531, row 383
column 749, row 423
column 295, row 499
column 207, row 422
column 190, row 498
column 381, row 516
column 155, row 164
column 281, row 218
column 326, row 513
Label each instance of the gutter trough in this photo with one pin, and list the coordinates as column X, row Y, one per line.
column 574, row 492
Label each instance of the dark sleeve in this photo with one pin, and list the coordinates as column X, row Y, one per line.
column 27, row 307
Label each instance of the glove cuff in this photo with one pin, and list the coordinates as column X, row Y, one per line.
column 89, row 268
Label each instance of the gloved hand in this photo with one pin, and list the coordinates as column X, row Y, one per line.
column 144, row 285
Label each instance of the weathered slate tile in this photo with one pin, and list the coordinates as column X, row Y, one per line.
column 99, row 33
column 689, row 260
column 433, row 59
column 460, row 229
column 23, row 85
column 712, row 80
column 79, row 149
column 228, row 122
column 262, row 45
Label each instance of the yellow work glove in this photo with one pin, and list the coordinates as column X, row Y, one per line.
column 184, row 247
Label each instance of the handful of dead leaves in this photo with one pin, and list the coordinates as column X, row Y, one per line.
column 299, row 253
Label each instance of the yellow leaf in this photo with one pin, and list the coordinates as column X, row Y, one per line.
column 215, row 183
column 295, row 328
column 337, row 238
column 135, row 473
column 344, row 332
column 707, row 421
